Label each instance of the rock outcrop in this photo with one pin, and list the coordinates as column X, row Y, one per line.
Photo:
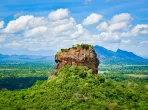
column 81, row 55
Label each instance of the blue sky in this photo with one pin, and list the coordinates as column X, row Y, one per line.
column 55, row 24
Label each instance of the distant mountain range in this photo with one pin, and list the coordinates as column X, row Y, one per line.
column 25, row 58
column 105, row 56
column 9, row 51
column 118, row 57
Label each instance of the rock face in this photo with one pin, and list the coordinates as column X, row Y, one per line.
column 81, row 55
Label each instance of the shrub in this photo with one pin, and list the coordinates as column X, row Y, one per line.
column 64, row 50
column 83, row 75
column 85, row 46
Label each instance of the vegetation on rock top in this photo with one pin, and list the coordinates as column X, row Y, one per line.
column 83, row 46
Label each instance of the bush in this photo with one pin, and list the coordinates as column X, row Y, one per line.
column 83, row 75
column 85, row 46
column 64, row 50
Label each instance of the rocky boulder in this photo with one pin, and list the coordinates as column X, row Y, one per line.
column 80, row 55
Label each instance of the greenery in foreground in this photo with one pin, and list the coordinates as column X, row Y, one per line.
column 77, row 88
column 21, row 75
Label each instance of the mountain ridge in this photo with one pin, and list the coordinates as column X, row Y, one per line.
column 105, row 55
column 25, row 51
column 120, row 56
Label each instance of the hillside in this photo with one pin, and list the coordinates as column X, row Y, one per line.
column 75, row 88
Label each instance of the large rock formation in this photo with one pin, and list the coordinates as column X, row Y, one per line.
column 81, row 55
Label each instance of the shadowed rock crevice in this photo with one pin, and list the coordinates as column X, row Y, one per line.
column 80, row 55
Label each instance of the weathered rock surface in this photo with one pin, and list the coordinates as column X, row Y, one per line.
column 78, row 56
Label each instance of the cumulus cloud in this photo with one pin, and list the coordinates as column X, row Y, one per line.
column 66, row 26
column 120, row 18
column 37, row 21
column 118, row 22
column 92, row 19
column 115, row 28
column 140, row 29
column 41, row 33
column 118, row 26
column 37, row 31
column 58, row 14
column 107, row 36
column 79, row 31
column 60, row 30
column 1, row 24
column 24, row 22
column 102, row 26
column 18, row 24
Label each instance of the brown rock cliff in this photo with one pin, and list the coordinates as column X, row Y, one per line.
column 81, row 55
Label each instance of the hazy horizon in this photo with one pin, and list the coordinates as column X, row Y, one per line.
column 25, row 51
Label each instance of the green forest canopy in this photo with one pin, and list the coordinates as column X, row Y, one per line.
column 76, row 88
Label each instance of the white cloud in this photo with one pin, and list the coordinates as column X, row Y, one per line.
column 66, row 26
column 140, row 29
column 118, row 26
column 79, row 31
column 13, row 44
column 120, row 22
column 102, row 26
column 1, row 24
column 37, row 21
column 24, row 22
column 107, row 36
column 92, row 19
column 38, row 31
column 144, row 42
column 125, row 34
column 2, row 39
column 58, row 14
column 60, row 31
column 120, row 18
column 18, row 24
column 125, row 41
